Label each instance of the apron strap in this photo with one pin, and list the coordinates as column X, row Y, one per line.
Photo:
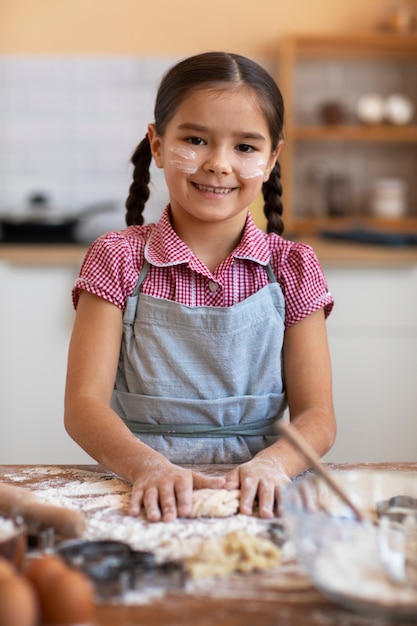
column 270, row 272
column 141, row 277
column 261, row 427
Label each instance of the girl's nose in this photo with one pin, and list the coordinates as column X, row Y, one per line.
column 217, row 163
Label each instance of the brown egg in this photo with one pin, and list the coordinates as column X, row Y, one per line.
column 18, row 602
column 68, row 599
column 7, row 569
column 41, row 569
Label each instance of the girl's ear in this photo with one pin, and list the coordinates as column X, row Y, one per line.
column 156, row 145
column 272, row 160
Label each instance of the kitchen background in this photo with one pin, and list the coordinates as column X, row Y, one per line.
column 77, row 84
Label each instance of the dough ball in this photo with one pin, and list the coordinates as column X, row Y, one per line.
column 215, row 503
column 238, row 551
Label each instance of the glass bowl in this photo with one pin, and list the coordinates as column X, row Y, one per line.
column 357, row 564
column 13, row 540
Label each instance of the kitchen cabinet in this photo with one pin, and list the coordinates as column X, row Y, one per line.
column 337, row 70
column 35, row 326
column 373, row 343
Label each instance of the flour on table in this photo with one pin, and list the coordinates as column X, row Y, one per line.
column 7, row 529
column 87, row 491
column 168, row 540
column 105, row 498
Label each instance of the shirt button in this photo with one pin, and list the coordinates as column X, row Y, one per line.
column 213, row 286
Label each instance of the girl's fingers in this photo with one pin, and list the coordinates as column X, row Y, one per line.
column 232, row 480
column 168, row 499
column 151, row 504
column 184, row 494
column 135, row 501
column 248, row 492
column 175, row 497
column 168, row 505
column 266, row 499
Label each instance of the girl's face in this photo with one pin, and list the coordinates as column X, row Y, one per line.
column 216, row 152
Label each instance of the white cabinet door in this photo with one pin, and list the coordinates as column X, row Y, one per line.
column 373, row 343
column 35, row 326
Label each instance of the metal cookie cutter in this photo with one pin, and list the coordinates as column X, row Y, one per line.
column 114, row 567
column 397, row 508
column 398, row 538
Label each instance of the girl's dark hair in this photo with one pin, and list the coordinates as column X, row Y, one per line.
column 211, row 70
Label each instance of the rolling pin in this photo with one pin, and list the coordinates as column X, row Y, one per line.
column 17, row 501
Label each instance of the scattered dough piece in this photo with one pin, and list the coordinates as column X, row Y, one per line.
column 238, row 551
column 215, row 503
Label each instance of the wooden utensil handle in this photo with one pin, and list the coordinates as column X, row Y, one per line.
column 17, row 501
column 302, row 446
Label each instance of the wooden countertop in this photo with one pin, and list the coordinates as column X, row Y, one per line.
column 330, row 254
column 346, row 254
column 257, row 600
column 60, row 255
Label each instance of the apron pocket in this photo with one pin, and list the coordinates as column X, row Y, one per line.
column 221, row 417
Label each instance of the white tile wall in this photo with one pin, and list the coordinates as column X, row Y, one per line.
column 68, row 126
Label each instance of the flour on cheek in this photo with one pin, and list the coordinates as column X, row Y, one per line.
column 184, row 160
column 253, row 168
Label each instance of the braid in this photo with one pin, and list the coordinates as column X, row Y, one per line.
column 139, row 189
column 272, row 192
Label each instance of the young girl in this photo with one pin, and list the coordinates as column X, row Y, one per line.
column 186, row 330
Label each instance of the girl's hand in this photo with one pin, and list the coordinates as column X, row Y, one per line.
column 164, row 491
column 259, row 479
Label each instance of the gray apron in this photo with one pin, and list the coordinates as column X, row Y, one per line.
column 202, row 384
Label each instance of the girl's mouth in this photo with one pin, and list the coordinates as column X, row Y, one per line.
column 217, row 190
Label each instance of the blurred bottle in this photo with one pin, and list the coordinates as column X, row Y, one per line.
column 338, row 195
column 332, row 113
column 388, row 198
column 316, row 189
column 401, row 18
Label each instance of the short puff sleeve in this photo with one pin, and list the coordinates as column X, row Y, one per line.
column 303, row 283
column 109, row 270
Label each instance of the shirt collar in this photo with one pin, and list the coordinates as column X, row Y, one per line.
column 164, row 248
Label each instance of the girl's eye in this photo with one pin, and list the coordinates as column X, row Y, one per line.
column 195, row 141
column 244, row 147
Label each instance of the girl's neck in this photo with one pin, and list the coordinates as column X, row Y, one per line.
column 210, row 242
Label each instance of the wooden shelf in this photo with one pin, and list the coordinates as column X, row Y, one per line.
column 395, row 226
column 356, row 45
column 42, row 255
column 333, row 253
column 343, row 49
column 400, row 134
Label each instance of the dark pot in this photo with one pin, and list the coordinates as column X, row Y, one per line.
column 44, row 229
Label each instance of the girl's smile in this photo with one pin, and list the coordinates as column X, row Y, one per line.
column 215, row 190
column 216, row 153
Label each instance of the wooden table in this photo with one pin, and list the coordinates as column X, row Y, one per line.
column 291, row 607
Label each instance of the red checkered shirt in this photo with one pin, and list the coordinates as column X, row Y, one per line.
column 112, row 264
